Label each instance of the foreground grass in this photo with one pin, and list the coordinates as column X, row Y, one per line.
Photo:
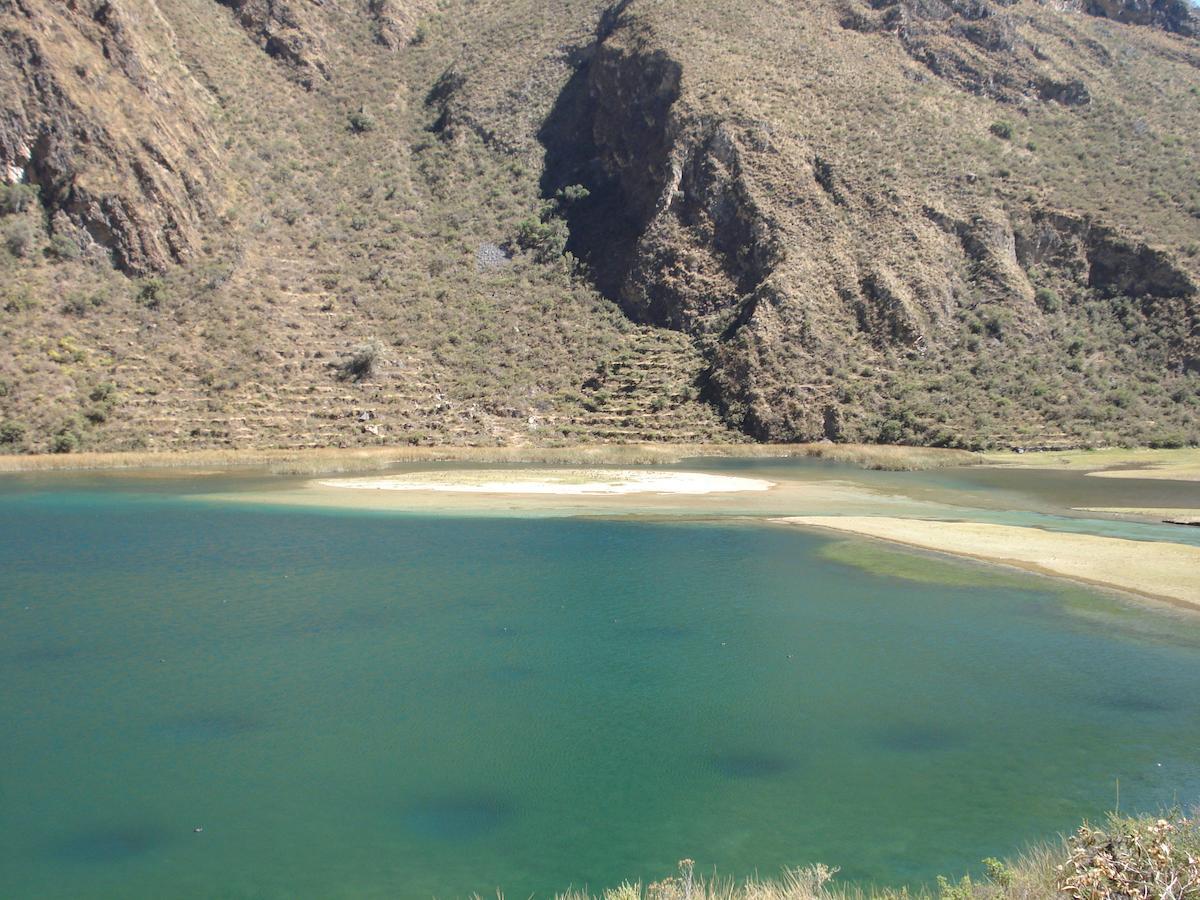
column 333, row 460
column 1129, row 857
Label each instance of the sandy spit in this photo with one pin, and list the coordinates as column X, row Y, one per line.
column 1156, row 569
column 1173, row 473
column 1172, row 465
column 1165, row 513
column 565, row 483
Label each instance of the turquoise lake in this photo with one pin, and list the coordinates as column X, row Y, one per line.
column 367, row 705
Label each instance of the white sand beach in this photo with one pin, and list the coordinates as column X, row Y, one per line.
column 564, row 482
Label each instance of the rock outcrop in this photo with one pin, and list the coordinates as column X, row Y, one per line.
column 675, row 230
column 114, row 136
column 284, row 32
column 1176, row 16
column 670, row 227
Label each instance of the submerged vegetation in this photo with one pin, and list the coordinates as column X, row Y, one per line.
column 1129, row 857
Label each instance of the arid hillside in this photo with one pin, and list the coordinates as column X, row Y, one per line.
column 241, row 223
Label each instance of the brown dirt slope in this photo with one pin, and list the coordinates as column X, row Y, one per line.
column 953, row 222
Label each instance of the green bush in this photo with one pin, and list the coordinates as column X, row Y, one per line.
column 19, row 238
column 152, row 293
column 64, row 247
column 997, row 322
column 1047, row 300
column 20, row 301
column 104, row 391
column 572, row 193
column 1002, row 130
column 1168, row 441
column 361, row 362
column 546, row 238
column 16, row 198
column 75, row 305
column 361, row 122
column 66, row 441
column 11, row 433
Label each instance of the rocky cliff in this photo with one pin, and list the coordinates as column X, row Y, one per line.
column 85, row 87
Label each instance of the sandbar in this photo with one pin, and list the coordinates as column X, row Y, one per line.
column 1154, row 569
column 1181, row 472
column 1171, row 514
column 559, row 482
column 1115, row 462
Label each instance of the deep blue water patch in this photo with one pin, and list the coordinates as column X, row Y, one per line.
column 210, row 726
column 457, row 817
column 917, row 737
column 751, row 764
column 513, row 674
column 665, row 633
column 1128, row 702
column 110, row 844
column 38, row 655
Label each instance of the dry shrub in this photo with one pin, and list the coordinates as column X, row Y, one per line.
column 1134, row 858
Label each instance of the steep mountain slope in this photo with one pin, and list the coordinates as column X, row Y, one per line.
column 964, row 222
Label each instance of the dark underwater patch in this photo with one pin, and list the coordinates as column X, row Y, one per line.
column 916, row 737
column 752, row 765
column 1136, row 703
column 110, row 844
column 207, row 727
column 513, row 674
column 50, row 653
column 662, row 632
column 457, row 817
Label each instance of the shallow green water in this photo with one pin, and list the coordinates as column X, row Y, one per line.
column 393, row 706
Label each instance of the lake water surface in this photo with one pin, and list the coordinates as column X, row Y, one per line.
column 365, row 705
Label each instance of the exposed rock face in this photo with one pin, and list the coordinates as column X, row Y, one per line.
column 282, row 31
column 975, row 44
column 670, row 227
column 676, row 231
column 78, row 118
column 1099, row 257
column 1169, row 15
column 980, row 46
column 397, row 23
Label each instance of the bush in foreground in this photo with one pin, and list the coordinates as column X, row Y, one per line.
column 1131, row 858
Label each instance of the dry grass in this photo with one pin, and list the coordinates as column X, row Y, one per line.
column 321, row 240
column 1142, row 857
column 334, row 460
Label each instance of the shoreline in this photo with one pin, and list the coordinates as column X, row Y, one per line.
column 1154, row 570
column 1173, row 464
column 603, row 480
column 333, row 460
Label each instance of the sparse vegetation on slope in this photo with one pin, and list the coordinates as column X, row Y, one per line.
column 950, row 224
